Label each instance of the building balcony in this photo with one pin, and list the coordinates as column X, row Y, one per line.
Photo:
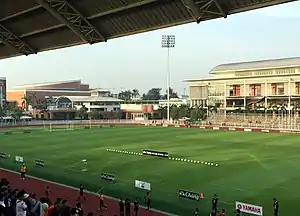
column 63, row 109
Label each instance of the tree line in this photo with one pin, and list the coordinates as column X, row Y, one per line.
column 152, row 94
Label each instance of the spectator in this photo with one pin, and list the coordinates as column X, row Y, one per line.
column 222, row 213
column 4, row 182
column 35, row 205
column 73, row 212
column 136, row 207
column 11, row 201
column 44, row 206
column 63, row 209
column 127, row 207
column 121, row 205
column 2, row 205
column 21, row 207
column 79, row 210
column 52, row 211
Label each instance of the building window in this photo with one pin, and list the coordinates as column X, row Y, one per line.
column 263, row 73
column 274, row 87
column 297, row 88
column 255, row 90
column 280, row 89
column 239, row 74
column 277, row 89
column 217, row 90
column 286, row 71
column 235, row 90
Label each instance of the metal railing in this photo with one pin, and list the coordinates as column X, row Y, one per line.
column 266, row 121
column 83, row 122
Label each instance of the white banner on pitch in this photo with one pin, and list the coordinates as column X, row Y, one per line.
column 249, row 208
column 19, row 159
column 142, row 185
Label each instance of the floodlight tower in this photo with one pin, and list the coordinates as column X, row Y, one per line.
column 168, row 41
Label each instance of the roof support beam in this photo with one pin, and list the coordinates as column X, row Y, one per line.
column 220, row 8
column 193, row 8
column 14, row 42
column 20, row 13
column 75, row 21
column 198, row 8
column 124, row 8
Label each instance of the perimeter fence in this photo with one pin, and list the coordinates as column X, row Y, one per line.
column 256, row 120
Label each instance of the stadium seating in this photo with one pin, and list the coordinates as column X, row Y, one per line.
column 255, row 120
column 43, row 206
column 35, row 206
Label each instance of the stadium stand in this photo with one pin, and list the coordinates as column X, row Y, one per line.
column 16, row 201
column 255, row 120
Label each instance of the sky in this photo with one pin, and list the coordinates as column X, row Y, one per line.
column 138, row 61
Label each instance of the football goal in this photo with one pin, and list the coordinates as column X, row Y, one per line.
column 62, row 126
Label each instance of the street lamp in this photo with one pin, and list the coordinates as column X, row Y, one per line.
column 168, row 41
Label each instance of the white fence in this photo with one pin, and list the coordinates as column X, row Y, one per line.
column 290, row 123
column 282, row 121
column 83, row 122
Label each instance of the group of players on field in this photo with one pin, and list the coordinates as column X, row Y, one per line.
column 124, row 205
column 214, row 211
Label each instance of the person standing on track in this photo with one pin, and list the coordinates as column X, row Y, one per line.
column 121, row 205
column 81, row 193
column 214, row 202
column 148, row 200
column 136, row 207
column 23, row 171
column 127, row 207
column 47, row 192
column 102, row 205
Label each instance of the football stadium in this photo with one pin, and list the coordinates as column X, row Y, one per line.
column 243, row 154
column 238, row 166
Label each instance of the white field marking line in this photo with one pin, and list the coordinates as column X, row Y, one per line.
column 170, row 158
column 258, row 161
column 89, row 192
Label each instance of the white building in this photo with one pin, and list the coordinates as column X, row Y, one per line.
column 99, row 100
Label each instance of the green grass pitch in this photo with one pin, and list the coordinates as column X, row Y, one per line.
column 253, row 167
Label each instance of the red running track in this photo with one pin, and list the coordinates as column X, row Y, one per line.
column 37, row 186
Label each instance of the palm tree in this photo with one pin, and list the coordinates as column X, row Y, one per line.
column 135, row 93
column 44, row 107
column 184, row 111
column 2, row 111
column 29, row 100
column 174, row 112
column 17, row 112
column 82, row 113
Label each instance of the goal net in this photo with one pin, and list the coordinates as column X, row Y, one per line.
column 65, row 126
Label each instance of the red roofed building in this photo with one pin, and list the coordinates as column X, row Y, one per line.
column 66, row 97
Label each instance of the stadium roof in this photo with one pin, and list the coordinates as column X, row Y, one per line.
column 31, row 26
column 28, row 86
column 256, row 65
column 93, row 99
column 207, row 79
